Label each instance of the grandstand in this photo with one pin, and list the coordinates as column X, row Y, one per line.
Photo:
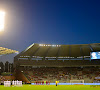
column 57, row 55
column 41, row 62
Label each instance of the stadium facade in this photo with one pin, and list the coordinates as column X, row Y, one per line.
column 46, row 55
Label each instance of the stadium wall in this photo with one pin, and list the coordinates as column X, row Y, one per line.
column 56, row 63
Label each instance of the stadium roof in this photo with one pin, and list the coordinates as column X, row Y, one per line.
column 67, row 51
column 4, row 51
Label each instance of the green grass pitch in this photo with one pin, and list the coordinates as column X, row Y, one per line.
column 52, row 87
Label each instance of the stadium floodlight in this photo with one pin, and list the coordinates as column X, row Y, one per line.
column 49, row 45
column 54, row 45
column 2, row 19
column 40, row 44
column 57, row 45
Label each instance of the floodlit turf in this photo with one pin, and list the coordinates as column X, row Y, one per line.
column 52, row 87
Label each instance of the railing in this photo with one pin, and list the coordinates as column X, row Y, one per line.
column 26, row 77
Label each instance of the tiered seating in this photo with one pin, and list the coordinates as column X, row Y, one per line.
column 61, row 74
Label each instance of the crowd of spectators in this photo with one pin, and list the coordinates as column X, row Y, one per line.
column 2, row 78
column 62, row 74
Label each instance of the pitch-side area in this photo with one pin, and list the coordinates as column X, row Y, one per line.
column 52, row 87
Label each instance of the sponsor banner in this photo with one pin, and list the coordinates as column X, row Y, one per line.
column 72, row 84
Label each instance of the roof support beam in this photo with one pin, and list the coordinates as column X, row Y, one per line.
column 81, row 50
column 90, row 47
column 69, row 50
column 34, row 53
column 58, row 52
column 46, row 53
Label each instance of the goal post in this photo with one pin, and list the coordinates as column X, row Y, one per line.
column 77, row 81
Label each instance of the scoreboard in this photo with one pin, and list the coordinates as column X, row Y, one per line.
column 95, row 55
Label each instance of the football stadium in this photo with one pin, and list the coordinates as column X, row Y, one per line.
column 50, row 66
column 42, row 66
column 68, row 64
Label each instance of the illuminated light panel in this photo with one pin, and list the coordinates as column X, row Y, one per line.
column 2, row 20
column 57, row 45
column 49, row 45
column 54, row 45
column 40, row 44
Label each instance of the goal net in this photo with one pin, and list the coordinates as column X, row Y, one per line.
column 77, row 81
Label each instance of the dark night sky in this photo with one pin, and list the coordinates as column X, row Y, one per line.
column 49, row 22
